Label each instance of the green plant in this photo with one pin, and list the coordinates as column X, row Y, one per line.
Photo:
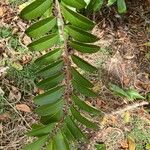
column 5, row 32
column 64, row 87
column 1, row 101
column 23, row 78
column 96, row 5
column 140, row 133
column 120, row 4
column 130, row 94
column 15, row 3
column 15, row 44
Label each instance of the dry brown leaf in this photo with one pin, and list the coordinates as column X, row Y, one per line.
column 1, row 11
column 131, row 143
column 124, row 144
column 26, row 40
column 4, row 117
column 23, row 107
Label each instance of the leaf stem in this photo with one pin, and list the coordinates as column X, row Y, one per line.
column 61, row 27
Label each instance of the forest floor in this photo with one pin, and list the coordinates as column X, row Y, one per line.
column 124, row 60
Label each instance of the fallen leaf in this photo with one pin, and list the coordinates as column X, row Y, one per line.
column 1, row 12
column 131, row 143
column 126, row 117
column 124, row 144
column 23, row 107
column 4, row 117
column 26, row 40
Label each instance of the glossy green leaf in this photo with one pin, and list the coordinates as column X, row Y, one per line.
column 77, row 19
column 41, row 27
column 133, row 94
column 80, row 79
column 83, row 90
column 51, row 81
column 51, row 69
column 50, row 145
column 36, row 126
column 111, row 2
column 117, row 90
column 67, row 133
column 44, row 42
column 52, row 118
column 36, row 145
column 50, row 109
column 82, row 119
column 84, row 106
column 100, row 147
column 50, row 96
column 76, row 132
column 83, row 64
column 35, row 9
column 121, row 6
column 79, row 4
column 84, row 48
column 44, row 130
column 60, row 143
column 81, row 35
column 49, row 57
column 95, row 5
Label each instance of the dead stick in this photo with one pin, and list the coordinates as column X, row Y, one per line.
column 130, row 107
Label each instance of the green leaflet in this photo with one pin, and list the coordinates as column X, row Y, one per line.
column 79, row 4
column 44, row 42
column 60, row 143
column 51, row 69
column 84, row 106
column 80, row 79
column 50, row 96
column 76, row 132
column 36, row 126
column 52, row 118
column 50, row 145
column 49, row 57
column 35, row 9
column 121, row 6
column 36, row 145
column 67, row 133
column 117, row 90
column 50, row 109
column 133, row 94
column 95, row 5
column 41, row 27
column 84, row 48
column 77, row 19
column 83, row 64
column 83, row 90
column 80, row 35
column 100, row 146
column 44, row 130
column 111, row 2
column 82, row 119
column 51, row 81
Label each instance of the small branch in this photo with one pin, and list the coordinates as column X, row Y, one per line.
column 130, row 107
column 18, row 113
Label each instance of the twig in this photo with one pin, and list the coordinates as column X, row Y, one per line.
column 130, row 107
column 18, row 113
